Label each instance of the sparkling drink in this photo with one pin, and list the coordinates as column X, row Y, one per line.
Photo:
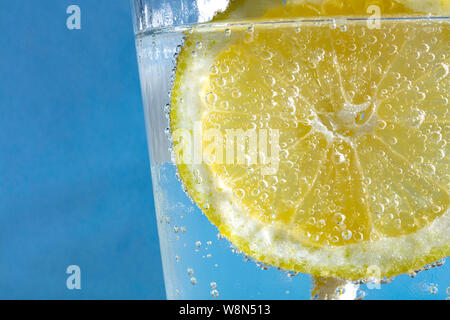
column 297, row 157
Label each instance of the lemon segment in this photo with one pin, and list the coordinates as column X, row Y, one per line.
column 263, row 10
column 361, row 117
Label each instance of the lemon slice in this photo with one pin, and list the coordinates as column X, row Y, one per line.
column 349, row 177
column 243, row 10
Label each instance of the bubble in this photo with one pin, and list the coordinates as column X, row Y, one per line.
column 238, row 193
column 263, row 184
column 339, row 217
column 379, row 208
column 436, row 209
column 211, row 98
column 224, row 68
column 236, row 94
column 397, row 223
column 167, row 108
column 422, row 48
column 346, row 234
column 227, row 32
column 312, row 220
column 421, row 96
column 393, row 50
column 262, row 266
column 429, row 169
column 333, row 24
column 198, row 244
column 293, row 68
column 213, row 285
column 384, row 92
column 214, row 70
column 215, row 293
column 358, row 236
column 269, row 80
column 193, row 281
column 441, row 72
column 372, row 39
column 381, row 124
column 321, row 223
column 266, row 55
column 190, row 271
column 290, row 274
column 435, row 137
column 338, row 157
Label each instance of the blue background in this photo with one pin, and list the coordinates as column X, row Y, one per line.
column 75, row 182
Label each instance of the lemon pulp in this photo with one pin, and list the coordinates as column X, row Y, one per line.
column 361, row 114
column 244, row 10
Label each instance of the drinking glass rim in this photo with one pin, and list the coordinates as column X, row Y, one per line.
column 338, row 20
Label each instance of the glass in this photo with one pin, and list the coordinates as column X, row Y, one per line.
column 198, row 262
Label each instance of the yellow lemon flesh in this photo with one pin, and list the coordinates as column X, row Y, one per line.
column 244, row 10
column 358, row 117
